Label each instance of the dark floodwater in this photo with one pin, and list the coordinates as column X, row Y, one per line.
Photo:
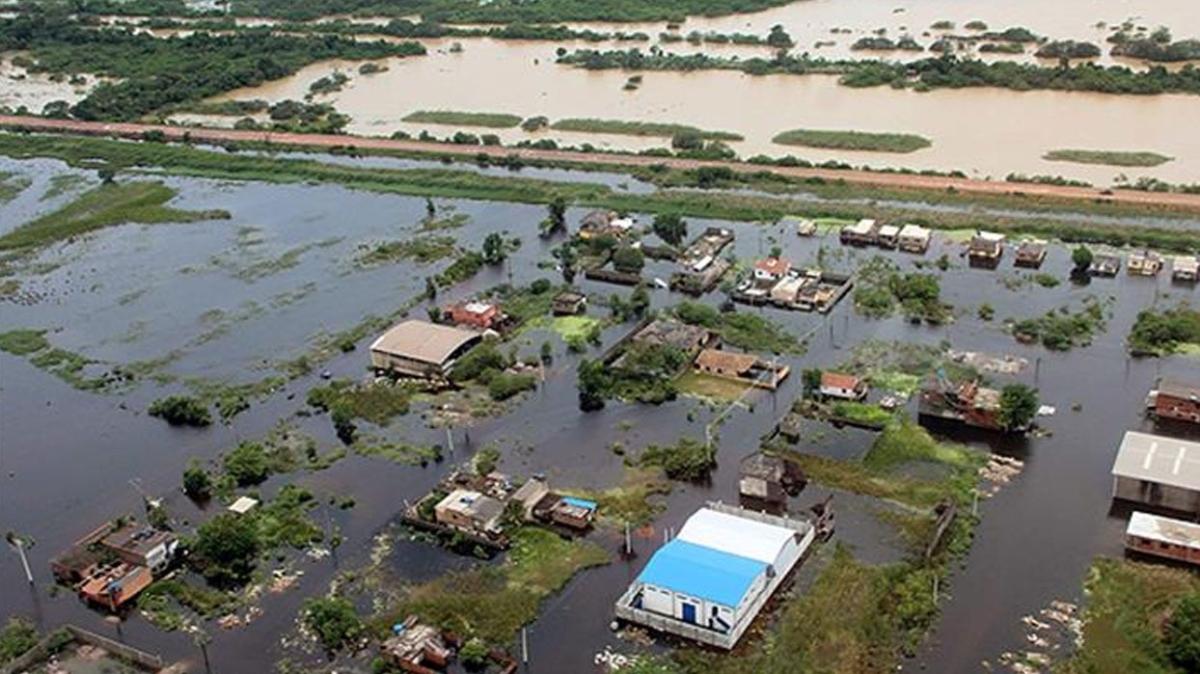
column 200, row 294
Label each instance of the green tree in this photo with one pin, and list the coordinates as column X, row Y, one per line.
column 687, row 140
column 474, row 654
column 334, row 621
column 224, row 549
column 779, row 38
column 639, row 300
column 1018, row 405
column 494, row 250
column 594, row 384
column 556, row 216
column 197, row 483
column 629, row 259
column 670, row 227
column 1082, row 257
column 1182, row 633
column 247, row 464
column 811, row 380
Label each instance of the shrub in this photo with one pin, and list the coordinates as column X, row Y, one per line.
column 181, row 410
column 247, row 464
column 334, row 621
column 197, row 483
column 1182, row 634
column 505, row 385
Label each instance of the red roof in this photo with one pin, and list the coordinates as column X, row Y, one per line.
column 775, row 266
column 839, row 380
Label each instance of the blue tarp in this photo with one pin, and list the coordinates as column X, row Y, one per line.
column 579, row 503
column 697, row 571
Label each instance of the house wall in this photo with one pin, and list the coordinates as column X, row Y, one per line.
column 666, row 601
column 405, row 366
column 1152, row 493
column 1164, row 549
column 840, row 392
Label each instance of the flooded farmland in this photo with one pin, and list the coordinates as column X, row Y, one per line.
column 229, row 300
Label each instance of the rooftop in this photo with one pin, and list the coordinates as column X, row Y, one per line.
column 423, row 341
column 703, row 572
column 839, row 380
column 862, row 227
column 138, row 539
column 243, row 505
column 776, row 266
column 672, row 333
column 1177, row 389
column 914, row 232
column 1164, row 529
column 725, row 360
column 1156, row 458
column 735, row 535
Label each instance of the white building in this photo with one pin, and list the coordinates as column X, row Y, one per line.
column 1159, row 471
column 914, row 239
column 712, row 579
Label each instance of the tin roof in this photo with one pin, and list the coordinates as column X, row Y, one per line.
column 724, row 360
column 702, row 572
column 1156, row 458
column 423, row 341
column 914, row 232
column 1165, row 529
column 1177, row 389
column 776, row 266
column 735, row 535
column 839, row 380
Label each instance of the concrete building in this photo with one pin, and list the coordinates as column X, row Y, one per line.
column 712, row 579
column 142, row 545
column 1105, row 265
column 1158, row 471
column 986, row 248
column 888, row 236
column 1177, row 401
column 569, row 303
column 1185, row 268
column 771, row 269
column 844, row 386
column 111, row 586
column 1031, row 253
column 745, row 368
column 470, row 511
column 1163, row 537
column 861, row 233
column 1144, row 263
column 475, row 314
column 914, row 239
column 416, row 348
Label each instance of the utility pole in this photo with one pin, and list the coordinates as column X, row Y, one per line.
column 18, row 542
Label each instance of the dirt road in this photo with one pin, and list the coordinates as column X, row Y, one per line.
column 1186, row 202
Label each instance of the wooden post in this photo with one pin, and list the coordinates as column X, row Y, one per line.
column 628, row 542
column 525, row 645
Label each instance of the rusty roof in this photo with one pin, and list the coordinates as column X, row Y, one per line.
column 725, row 360
column 839, row 380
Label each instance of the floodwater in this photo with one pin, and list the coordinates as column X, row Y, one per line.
column 68, row 455
column 983, row 132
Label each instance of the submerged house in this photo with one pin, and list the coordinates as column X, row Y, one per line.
column 861, row 233
column 1031, row 253
column 1177, row 401
column 914, row 239
column 475, row 314
column 569, row 303
column 1163, row 537
column 744, row 368
column 112, row 564
column 604, row 223
column 420, row 349
column 986, row 248
column 967, row 402
column 417, row 648
column 1159, row 471
column 768, row 479
column 667, row 332
column 470, row 511
column 710, row 581
column 1144, row 263
column 1105, row 265
column 771, row 269
column 1185, row 268
column 843, row 386
column 888, row 236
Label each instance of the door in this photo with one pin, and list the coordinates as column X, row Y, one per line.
column 689, row 612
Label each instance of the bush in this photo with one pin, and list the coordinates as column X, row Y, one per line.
column 197, row 483
column 505, row 385
column 19, row 635
column 247, row 464
column 474, row 654
column 181, row 411
column 1018, row 406
column 687, row 459
column 629, row 259
column 334, row 621
column 225, row 548
column 1182, row 634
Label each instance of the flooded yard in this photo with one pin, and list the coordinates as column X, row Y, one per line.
column 232, row 301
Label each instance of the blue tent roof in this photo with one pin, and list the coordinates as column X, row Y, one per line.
column 579, row 502
column 702, row 572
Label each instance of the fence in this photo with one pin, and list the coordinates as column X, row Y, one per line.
column 58, row 639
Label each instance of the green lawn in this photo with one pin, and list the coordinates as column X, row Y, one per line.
column 708, row 386
column 1108, row 157
column 854, row 140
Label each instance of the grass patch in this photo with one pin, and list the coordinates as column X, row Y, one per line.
column 399, row 452
column 854, row 140
column 707, row 386
column 865, row 414
column 68, row 366
column 1161, row 333
column 1108, row 158
column 62, row 183
column 104, row 206
column 1122, row 623
column 569, row 328
column 377, row 403
column 634, row 500
column 493, row 602
column 628, row 128
column 23, row 342
column 494, row 120
column 422, row 250
column 1063, row 329
column 12, row 185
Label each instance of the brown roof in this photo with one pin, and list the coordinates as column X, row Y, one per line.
column 839, row 380
column 776, row 266
column 423, row 341
column 724, row 360
column 137, row 539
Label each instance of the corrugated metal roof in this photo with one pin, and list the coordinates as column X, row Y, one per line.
column 735, row 535
column 702, row 572
column 1165, row 529
column 1156, row 458
column 423, row 341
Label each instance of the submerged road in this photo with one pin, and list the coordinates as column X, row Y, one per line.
column 1186, row 202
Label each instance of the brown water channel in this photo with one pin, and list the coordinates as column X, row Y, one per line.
column 138, row 292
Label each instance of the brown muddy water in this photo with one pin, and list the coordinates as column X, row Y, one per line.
column 137, row 292
column 983, row 132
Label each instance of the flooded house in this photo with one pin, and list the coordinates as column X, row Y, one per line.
column 861, row 233
column 416, row 648
column 604, row 223
column 541, row 504
column 709, row 582
column 109, row 566
column 1031, row 253
column 420, row 349
column 700, row 264
column 475, row 314
column 888, row 236
column 470, row 511
column 771, row 269
column 1144, row 263
column 1158, row 471
column 842, row 386
column 744, row 368
column 669, row 332
column 914, row 239
column 967, row 402
column 1164, row 537
column 113, row 585
column 1105, row 265
column 1176, row 400
column 806, row 228
column 1185, row 268
column 985, row 249
column 569, row 303
column 768, row 479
